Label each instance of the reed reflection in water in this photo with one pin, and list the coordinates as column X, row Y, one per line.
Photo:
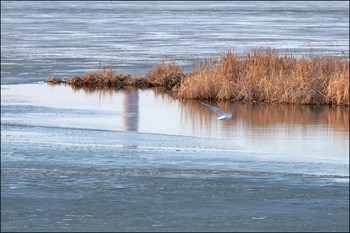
column 265, row 115
column 252, row 115
column 288, row 129
column 302, row 130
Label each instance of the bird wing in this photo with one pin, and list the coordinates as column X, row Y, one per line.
column 213, row 108
column 238, row 103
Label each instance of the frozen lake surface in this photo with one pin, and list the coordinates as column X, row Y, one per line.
column 67, row 38
column 106, row 160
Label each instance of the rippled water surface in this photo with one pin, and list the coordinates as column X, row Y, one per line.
column 139, row 160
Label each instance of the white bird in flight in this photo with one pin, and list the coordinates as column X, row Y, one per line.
column 225, row 115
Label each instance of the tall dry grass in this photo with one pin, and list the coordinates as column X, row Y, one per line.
column 269, row 77
column 168, row 74
column 262, row 73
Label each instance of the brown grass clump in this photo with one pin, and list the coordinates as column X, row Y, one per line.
column 96, row 79
column 262, row 73
column 100, row 78
column 167, row 75
column 53, row 80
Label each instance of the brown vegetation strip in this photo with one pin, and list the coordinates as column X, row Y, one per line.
column 262, row 73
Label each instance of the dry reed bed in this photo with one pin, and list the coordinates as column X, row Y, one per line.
column 262, row 73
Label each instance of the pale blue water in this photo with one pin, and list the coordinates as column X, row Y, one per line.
column 75, row 160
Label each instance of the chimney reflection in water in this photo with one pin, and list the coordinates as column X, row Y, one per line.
column 131, row 110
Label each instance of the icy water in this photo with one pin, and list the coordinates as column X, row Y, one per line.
column 66, row 38
column 107, row 160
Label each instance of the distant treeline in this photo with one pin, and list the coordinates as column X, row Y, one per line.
column 262, row 73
